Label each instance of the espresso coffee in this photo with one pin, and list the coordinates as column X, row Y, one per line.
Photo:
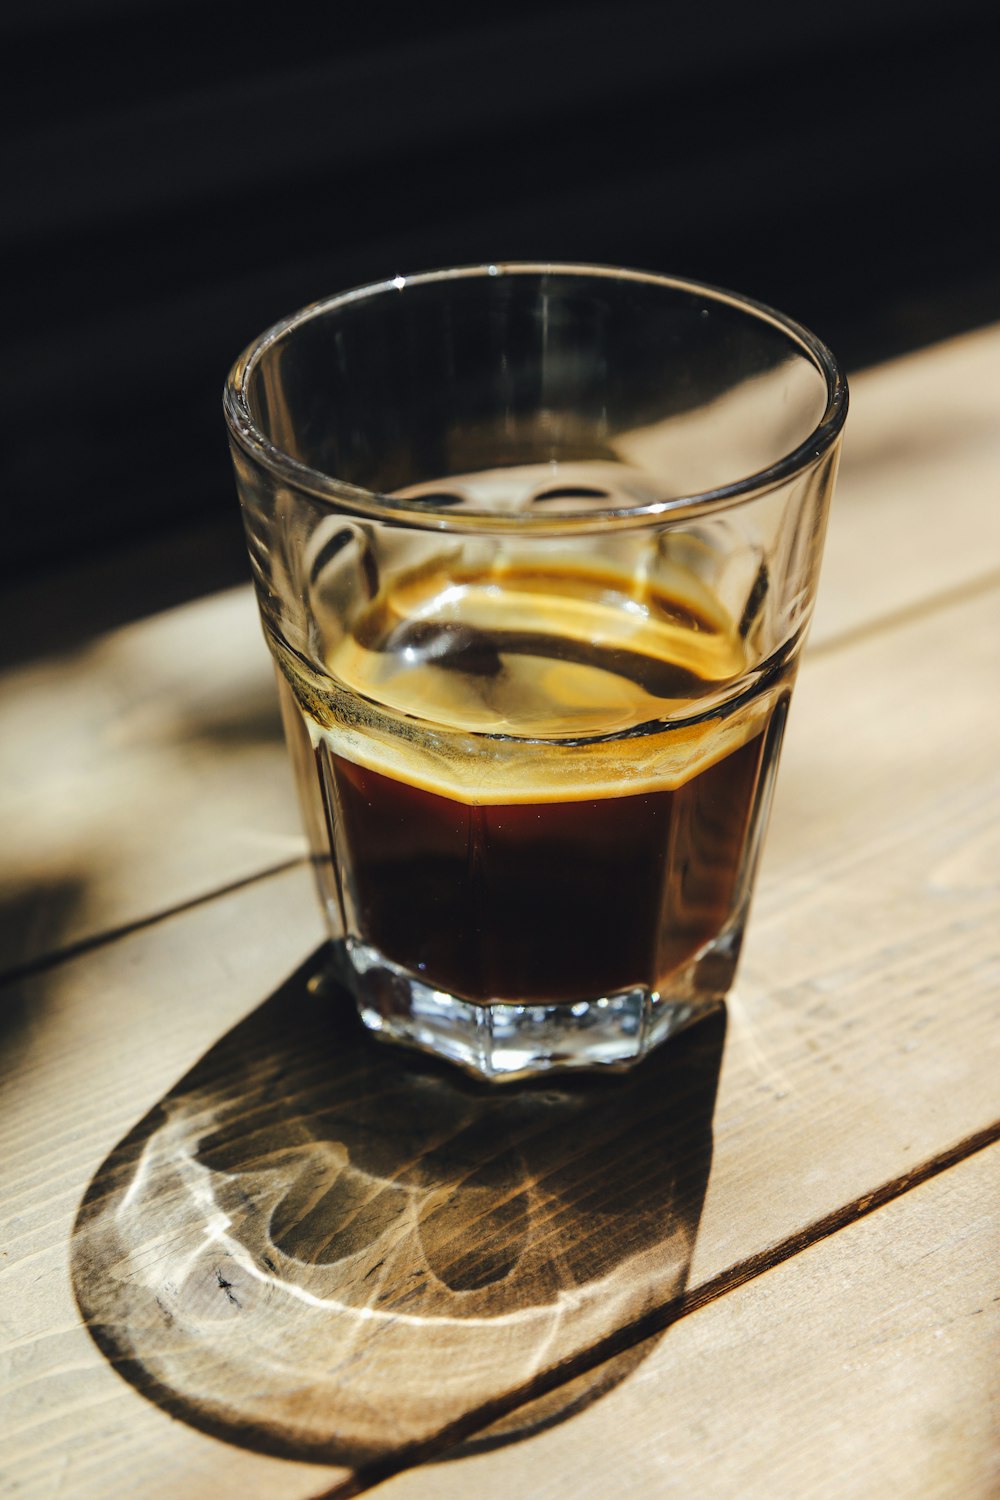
column 538, row 786
column 547, row 900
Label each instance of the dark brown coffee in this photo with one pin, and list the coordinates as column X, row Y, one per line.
column 545, row 900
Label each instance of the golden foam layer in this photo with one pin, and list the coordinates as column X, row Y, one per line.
column 481, row 687
column 555, row 655
column 518, row 772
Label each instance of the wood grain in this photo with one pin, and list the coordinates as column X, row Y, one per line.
column 914, row 515
column 862, row 1041
column 143, row 770
column 82, row 1045
column 865, row 1367
column 159, row 748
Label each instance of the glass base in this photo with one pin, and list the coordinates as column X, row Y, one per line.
column 502, row 1039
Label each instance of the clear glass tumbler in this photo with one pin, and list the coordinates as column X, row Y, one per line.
column 535, row 547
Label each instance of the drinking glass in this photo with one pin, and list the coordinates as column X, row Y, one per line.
column 535, row 548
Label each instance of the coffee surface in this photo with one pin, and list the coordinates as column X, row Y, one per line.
column 520, row 684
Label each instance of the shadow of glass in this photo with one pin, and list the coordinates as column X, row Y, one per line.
column 322, row 1248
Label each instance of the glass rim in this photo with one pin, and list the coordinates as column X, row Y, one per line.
column 417, row 513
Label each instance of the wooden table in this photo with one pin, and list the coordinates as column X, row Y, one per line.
column 766, row 1266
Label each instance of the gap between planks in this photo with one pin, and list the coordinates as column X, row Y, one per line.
column 906, row 614
column 58, row 956
column 665, row 1316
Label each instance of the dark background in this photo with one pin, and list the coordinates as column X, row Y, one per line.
column 180, row 174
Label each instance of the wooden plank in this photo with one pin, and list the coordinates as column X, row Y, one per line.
column 862, row 1042
column 866, row 1366
column 86, row 1048
column 159, row 748
column 915, row 512
column 141, row 771
column 876, row 929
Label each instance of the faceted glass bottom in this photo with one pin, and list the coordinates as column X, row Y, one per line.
column 507, row 1040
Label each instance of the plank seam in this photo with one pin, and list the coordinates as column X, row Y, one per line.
column 663, row 1317
column 46, row 961
column 906, row 614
